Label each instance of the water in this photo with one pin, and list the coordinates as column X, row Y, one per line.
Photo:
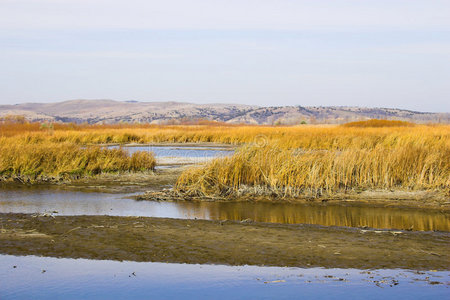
column 49, row 278
column 169, row 156
column 181, row 151
column 41, row 200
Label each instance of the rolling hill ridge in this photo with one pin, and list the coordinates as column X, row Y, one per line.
column 111, row 111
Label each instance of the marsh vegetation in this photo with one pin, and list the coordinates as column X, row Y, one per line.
column 282, row 161
column 58, row 161
column 272, row 170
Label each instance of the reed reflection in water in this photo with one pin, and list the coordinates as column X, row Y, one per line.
column 328, row 215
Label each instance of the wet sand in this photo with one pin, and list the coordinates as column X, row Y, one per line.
column 221, row 242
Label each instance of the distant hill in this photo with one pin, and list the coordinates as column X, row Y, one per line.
column 111, row 111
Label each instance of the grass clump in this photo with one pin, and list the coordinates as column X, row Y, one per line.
column 292, row 173
column 67, row 160
column 379, row 123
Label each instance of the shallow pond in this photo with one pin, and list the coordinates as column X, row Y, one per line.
column 41, row 200
column 172, row 155
column 181, row 151
column 31, row 277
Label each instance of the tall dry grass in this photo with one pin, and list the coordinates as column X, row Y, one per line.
column 379, row 123
column 285, row 160
column 65, row 159
column 305, row 137
column 270, row 169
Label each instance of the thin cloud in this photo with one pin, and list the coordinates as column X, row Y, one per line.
column 327, row 15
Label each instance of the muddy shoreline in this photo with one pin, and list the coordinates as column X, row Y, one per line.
column 401, row 199
column 221, row 242
column 107, row 182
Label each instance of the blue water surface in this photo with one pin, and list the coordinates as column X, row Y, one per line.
column 180, row 151
column 55, row 278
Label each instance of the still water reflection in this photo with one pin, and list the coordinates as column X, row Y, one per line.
column 40, row 200
column 32, row 277
column 180, row 151
column 329, row 215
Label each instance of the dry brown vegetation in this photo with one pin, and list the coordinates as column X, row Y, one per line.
column 291, row 161
column 272, row 170
column 65, row 160
column 318, row 162
column 304, row 137
column 379, row 123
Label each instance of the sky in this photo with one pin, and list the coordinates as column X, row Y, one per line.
column 372, row 53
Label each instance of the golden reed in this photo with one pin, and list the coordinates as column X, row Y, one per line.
column 18, row 159
column 284, row 160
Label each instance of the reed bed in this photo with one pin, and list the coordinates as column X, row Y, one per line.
column 292, row 173
column 379, row 123
column 287, row 161
column 66, row 160
column 305, row 136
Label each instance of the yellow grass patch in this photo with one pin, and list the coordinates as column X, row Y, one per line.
column 59, row 159
column 286, row 160
column 271, row 169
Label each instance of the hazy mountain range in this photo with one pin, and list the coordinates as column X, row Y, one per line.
column 110, row 111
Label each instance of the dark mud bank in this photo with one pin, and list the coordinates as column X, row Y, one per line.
column 221, row 242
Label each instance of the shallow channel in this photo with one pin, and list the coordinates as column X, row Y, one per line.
column 63, row 202
column 31, row 277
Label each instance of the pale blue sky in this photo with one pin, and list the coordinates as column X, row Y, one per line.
column 372, row 53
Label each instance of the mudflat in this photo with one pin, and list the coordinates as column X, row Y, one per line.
column 221, row 242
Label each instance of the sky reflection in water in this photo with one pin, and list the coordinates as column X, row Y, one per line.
column 93, row 279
